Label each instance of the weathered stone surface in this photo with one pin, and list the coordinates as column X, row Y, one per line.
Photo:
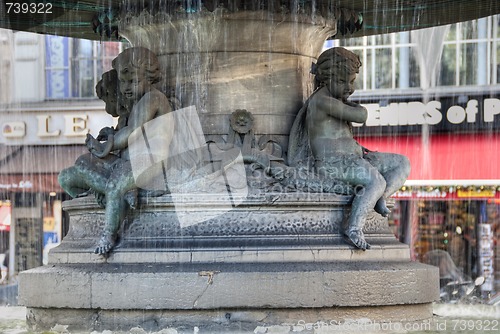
column 232, row 273
column 259, row 66
column 384, row 249
column 270, row 219
column 57, row 283
column 214, row 286
column 263, row 279
column 221, row 320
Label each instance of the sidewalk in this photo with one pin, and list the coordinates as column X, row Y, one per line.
column 13, row 320
column 12, row 313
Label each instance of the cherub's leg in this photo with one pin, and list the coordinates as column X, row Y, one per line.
column 381, row 207
column 116, row 208
column 95, row 172
column 370, row 186
column 72, row 182
column 363, row 202
column 395, row 169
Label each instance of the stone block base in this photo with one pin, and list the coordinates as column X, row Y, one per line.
column 222, row 320
column 154, row 296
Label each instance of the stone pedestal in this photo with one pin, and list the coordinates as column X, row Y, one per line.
column 226, row 60
column 277, row 258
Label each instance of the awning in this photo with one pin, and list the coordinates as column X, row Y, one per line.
column 35, row 168
column 32, row 183
column 450, row 159
column 39, row 159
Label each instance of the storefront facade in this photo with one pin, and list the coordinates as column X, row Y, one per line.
column 47, row 107
column 440, row 106
column 462, row 223
column 451, row 200
column 37, row 143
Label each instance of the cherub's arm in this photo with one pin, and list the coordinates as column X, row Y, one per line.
column 105, row 132
column 146, row 109
column 104, row 144
column 97, row 148
column 137, row 119
column 349, row 111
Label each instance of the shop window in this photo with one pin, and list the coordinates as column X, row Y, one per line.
column 359, row 83
column 83, row 69
column 25, row 200
column 413, row 71
column 5, row 222
column 448, row 65
column 497, row 57
column 459, row 236
column 449, row 226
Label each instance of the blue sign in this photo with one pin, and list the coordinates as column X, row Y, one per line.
column 57, row 67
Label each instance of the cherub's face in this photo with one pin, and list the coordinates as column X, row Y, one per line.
column 133, row 84
column 342, row 87
column 241, row 121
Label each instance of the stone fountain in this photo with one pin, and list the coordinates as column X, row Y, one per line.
column 276, row 257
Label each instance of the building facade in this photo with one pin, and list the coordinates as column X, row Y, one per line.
column 434, row 96
column 47, row 106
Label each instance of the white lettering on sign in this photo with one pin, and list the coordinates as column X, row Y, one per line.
column 405, row 113
column 47, row 128
column 418, row 113
column 456, row 115
column 403, row 194
column 491, row 109
column 433, row 115
column 21, row 185
column 432, row 194
column 471, row 111
column 74, row 126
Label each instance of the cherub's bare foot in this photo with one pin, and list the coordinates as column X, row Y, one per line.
column 358, row 239
column 107, row 242
column 381, row 207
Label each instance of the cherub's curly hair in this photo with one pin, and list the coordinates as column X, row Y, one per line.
column 335, row 62
column 139, row 58
column 109, row 81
